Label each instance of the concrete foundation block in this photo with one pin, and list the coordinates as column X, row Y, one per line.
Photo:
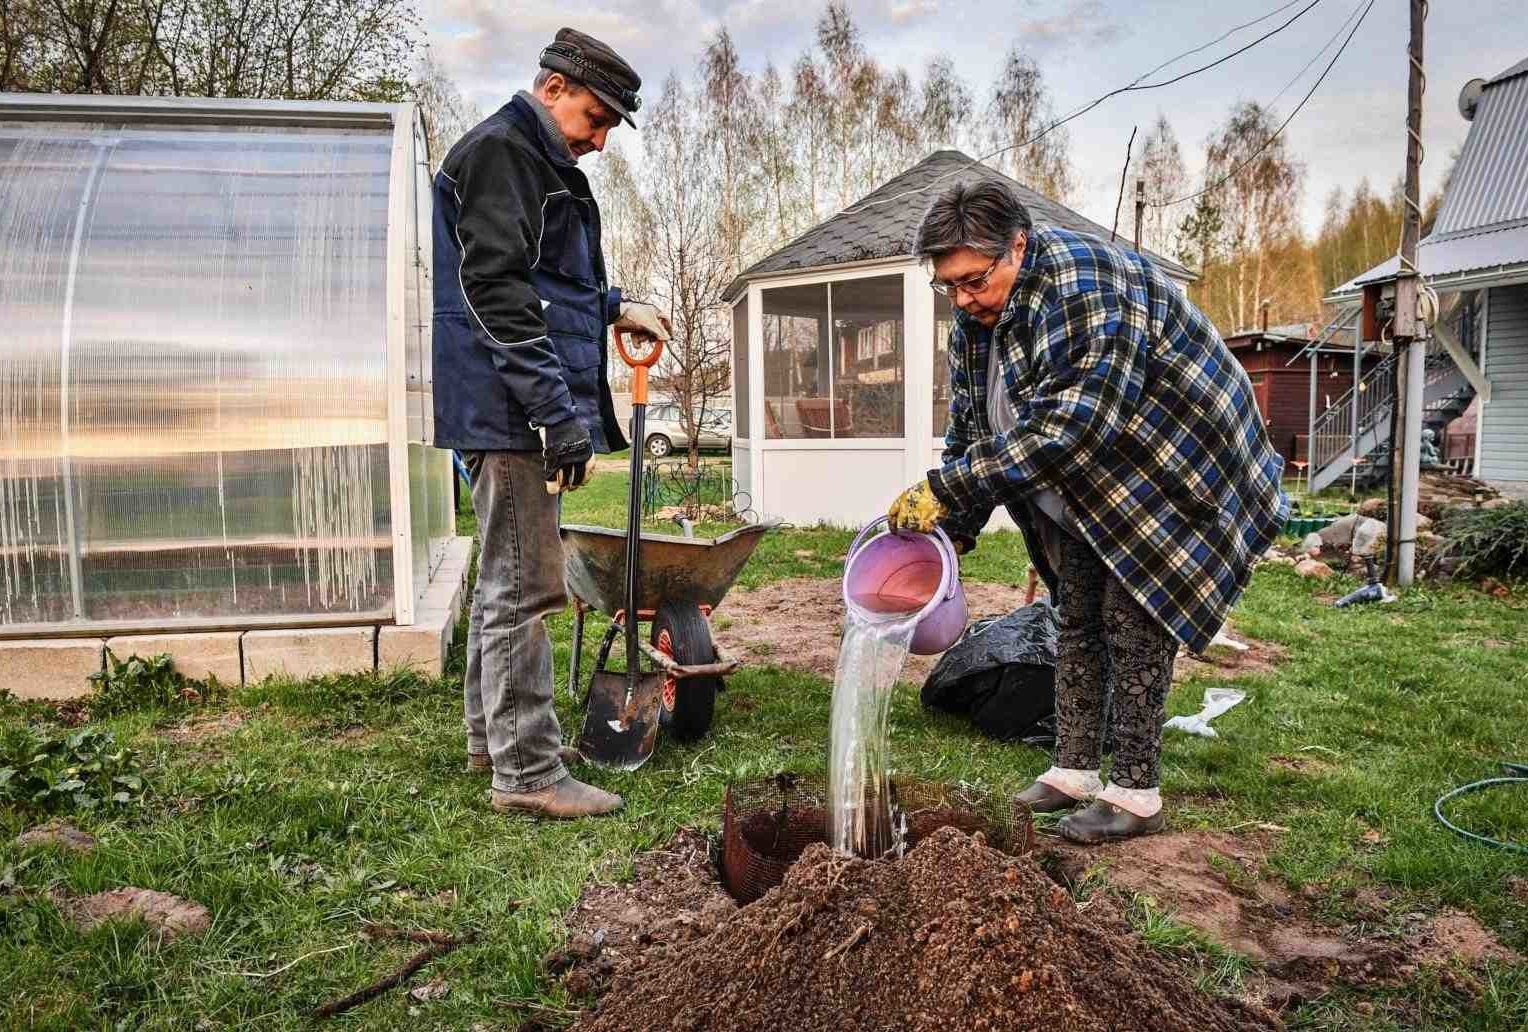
column 50, row 668
column 421, row 646
column 308, row 652
column 198, row 656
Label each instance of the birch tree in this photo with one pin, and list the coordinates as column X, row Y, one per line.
column 944, row 118
column 1019, row 117
column 809, row 114
column 1259, row 202
column 447, row 114
column 729, row 110
column 787, row 199
column 691, row 258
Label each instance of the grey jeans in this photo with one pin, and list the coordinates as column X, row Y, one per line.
column 508, row 688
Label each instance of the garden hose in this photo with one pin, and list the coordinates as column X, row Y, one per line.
column 1517, row 775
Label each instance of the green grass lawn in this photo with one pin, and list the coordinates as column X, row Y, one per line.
column 339, row 800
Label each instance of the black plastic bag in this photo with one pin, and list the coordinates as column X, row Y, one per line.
column 1002, row 674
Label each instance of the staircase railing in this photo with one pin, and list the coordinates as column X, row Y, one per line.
column 1334, row 435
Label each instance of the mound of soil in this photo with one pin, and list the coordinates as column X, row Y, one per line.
column 953, row 936
column 672, row 897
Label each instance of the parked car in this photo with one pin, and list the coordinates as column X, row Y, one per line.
column 666, row 435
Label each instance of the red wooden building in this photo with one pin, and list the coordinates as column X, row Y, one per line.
column 1281, row 379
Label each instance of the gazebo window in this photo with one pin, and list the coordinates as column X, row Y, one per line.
column 834, row 359
column 869, row 363
column 796, row 362
column 740, row 380
column 944, row 322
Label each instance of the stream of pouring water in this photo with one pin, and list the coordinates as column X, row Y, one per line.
column 870, row 658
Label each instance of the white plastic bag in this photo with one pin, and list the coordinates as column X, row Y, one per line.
column 1216, row 701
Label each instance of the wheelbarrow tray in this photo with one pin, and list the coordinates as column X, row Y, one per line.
column 699, row 571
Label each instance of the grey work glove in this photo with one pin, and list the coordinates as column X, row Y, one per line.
column 565, row 458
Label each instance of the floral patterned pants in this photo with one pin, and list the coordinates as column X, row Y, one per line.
column 1110, row 652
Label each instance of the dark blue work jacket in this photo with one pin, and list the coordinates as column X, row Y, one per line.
column 521, row 302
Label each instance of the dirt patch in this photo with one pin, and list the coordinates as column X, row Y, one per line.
column 168, row 915
column 57, row 833
column 673, row 897
column 1456, row 936
column 204, row 726
column 1217, row 883
column 797, row 623
column 953, row 936
column 1260, row 657
column 1300, row 764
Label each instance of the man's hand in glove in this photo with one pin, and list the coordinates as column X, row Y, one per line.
column 641, row 317
column 567, row 454
column 917, row 509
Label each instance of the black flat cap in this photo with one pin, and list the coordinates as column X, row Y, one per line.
column 585, row 59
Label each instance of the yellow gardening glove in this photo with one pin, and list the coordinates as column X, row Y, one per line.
column 917, row 509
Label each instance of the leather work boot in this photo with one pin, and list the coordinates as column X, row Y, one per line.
column 1042, row 798
column 565, row 800
column 481, row 763
column 1105, row 822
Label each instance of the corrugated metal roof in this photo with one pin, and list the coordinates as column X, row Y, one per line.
column 1517, row 69
column 1483, row 222
column 882, row 224
column 1455, row 256
column 1489, row 186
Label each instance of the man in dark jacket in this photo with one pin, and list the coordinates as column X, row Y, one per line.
column 521, row 309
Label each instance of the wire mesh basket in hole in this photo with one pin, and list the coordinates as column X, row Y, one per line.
column 769, row 822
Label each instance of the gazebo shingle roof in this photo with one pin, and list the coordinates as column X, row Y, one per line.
column 882, row 224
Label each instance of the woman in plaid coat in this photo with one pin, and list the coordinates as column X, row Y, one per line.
column 1095, row 402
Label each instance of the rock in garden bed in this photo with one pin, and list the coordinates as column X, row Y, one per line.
column 953, row 936
column 57, row 833
column 170, row 916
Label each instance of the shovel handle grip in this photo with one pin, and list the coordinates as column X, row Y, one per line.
column 639, row 366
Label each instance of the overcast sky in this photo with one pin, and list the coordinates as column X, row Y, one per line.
column 1352, row 128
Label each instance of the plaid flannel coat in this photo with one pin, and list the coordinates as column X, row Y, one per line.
column 1131, row 407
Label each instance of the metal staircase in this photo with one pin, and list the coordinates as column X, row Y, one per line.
column 1337, row 446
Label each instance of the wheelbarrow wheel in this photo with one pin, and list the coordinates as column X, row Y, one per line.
column 679, row 630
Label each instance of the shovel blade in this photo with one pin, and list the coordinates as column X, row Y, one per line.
column 621, row 731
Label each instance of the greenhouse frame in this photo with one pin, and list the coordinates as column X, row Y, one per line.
column 215, row 386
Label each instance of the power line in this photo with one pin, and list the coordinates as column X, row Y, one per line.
column 1219, row 39
column 1134, row 86
column 1316, row 56
column 1283, row 125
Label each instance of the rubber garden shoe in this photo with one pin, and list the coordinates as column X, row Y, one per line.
column 1105, row 822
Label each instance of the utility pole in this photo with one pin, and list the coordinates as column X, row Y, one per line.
column 1140, row 210
column 1409, row 332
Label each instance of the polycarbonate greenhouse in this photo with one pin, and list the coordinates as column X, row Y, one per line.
column 214, row 366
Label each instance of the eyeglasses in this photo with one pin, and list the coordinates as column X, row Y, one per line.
column 971, row 284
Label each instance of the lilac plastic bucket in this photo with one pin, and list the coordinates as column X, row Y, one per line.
column 910, row 574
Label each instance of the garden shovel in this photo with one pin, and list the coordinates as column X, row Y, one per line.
column 621, row 718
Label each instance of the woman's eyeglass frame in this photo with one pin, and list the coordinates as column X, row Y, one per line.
column 972, row 285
